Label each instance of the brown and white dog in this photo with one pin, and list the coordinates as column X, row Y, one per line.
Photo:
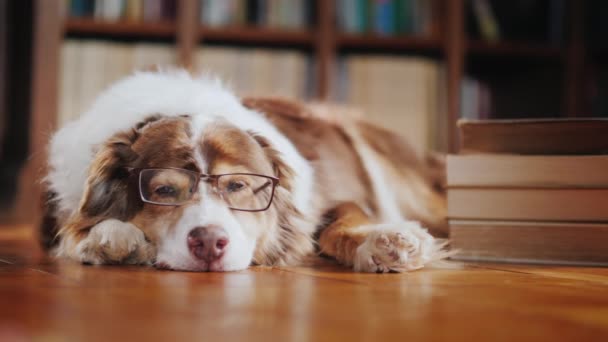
column 135, row 181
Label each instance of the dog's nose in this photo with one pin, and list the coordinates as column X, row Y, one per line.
column 207, row 243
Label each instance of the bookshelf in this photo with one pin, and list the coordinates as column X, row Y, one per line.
column 322, row 39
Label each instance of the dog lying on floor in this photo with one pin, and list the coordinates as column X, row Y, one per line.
column 175, row 171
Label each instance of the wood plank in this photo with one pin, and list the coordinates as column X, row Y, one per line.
column 513, row 49
column 585, row 274
column 89, row 26
column 325, row 46
column 394, row 43
column 187, row 26
column 256, row 35
column 44, row 300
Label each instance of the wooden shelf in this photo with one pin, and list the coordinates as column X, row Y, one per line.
column 257, row 35
column 397, row 43
column 513, row 49
column 91, row 26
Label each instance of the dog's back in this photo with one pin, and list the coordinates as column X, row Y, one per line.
column 359, row 162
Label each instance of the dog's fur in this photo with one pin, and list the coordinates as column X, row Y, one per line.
column 356, row 191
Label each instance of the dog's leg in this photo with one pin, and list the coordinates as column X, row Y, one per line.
column 108, row 242
column 354, row 240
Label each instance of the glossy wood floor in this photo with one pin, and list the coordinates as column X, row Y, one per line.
column 42, row 300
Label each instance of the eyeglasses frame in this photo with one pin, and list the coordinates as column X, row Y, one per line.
column 212, row 179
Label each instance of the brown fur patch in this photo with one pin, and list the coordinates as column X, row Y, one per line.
column 226, row 148
column 338, row 167
column 111, row 191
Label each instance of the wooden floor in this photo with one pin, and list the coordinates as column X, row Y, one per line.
column 42, row 300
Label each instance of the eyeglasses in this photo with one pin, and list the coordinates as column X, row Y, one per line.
column 175, row 187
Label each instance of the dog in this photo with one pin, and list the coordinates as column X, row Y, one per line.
column 175, row 171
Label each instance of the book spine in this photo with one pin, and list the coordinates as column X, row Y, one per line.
column 527, row 171
column 383, row 17
column 168, row 9
column 134, row 10
column 530, row 242
column 363, row 15
column 556, row 21
column 82, row 8
column 486, row 20
column 152, row 10
column 574, row 205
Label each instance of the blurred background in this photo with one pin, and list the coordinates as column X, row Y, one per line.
column 414, row 66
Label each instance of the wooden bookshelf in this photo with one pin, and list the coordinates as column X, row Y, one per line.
column 323, row 41
column 118, row 29
column 389, row 43
column 257, row 35
column 513, row 49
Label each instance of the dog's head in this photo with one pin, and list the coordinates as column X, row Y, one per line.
column 207, row 194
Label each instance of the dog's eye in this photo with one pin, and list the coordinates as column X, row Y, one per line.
column 165, row 191
column 234, row 186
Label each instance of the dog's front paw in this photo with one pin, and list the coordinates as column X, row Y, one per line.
column 115, row 242
column 396, row 247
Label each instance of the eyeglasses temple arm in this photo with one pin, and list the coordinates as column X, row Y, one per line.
column 255, row 192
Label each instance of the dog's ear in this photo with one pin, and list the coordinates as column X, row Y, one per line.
column 281, row 169
column 107, row 191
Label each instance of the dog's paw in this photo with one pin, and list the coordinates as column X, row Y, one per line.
column 396, row 247
column 115, row 242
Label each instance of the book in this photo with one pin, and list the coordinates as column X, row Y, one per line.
column 499, row 170
column 81, row 78
column 81, row 8
column 486, row 20
column 252, row 72
column 134, row 10
column 388, row 17
column 530, row 242
column 408, row 109
column 528, row 204
column 534, row 136
column 475, row 99
column 383, row 17
column 109, row 10
column 286, row 14
column 152, row 10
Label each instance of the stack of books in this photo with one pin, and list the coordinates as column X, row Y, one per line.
column 530, row 191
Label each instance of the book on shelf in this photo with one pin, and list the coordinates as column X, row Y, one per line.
column 536, row 21
column 283, row 14
column 247, row 71
column 261, row 72
column 571, row 243
column 486, row 20
column 123, row 10
column 82, row 79
column 388, row 17
column 534, row 136
column 410, row 109
column 475, row 99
